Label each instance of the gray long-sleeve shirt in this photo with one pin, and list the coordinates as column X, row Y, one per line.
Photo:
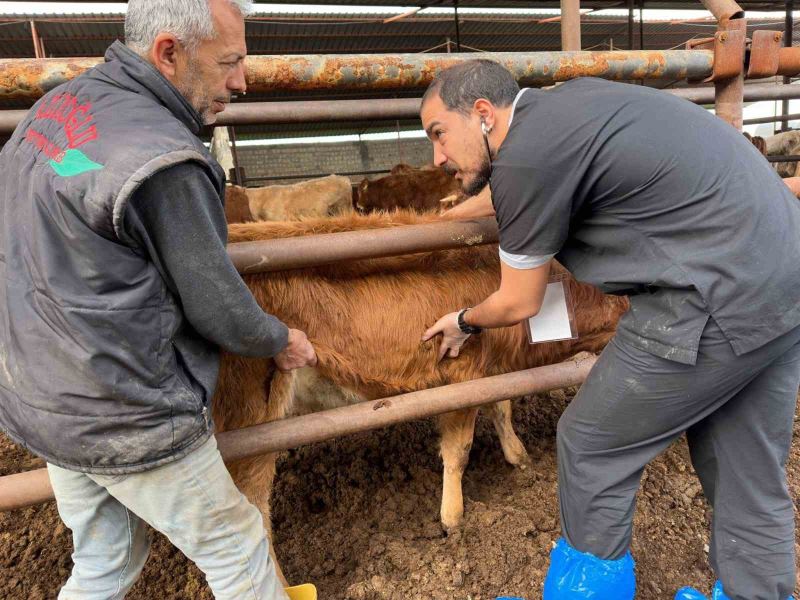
column 176, row 216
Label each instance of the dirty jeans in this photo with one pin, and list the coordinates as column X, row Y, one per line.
column 737, row 413
column 192, row 501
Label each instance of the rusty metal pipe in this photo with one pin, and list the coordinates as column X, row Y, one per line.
column 312, row 111
column 31, row 78
column 752, row 93
column 729, row 95
column 789, row 61
column 321, row 111
column 788, row 37
column 33, row 487
column 364, row 416
column 9, row 119
column 312, row 250
column 772, row 119
column 723, row 10
column 570, row 25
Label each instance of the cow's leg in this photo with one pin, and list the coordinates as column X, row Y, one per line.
column 457, row 429
column 513, row 449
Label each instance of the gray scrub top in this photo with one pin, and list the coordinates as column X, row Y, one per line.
column 642, row 193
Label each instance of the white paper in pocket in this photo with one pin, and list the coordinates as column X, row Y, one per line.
column 555, row 320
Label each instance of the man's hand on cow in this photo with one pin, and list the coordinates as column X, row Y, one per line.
column 452, row 336
column 298, row 352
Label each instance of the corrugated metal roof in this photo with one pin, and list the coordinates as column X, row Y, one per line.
column 279, row 33
column 516, row 4
column 274, row 33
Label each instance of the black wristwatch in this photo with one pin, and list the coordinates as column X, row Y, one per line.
column 462, row 324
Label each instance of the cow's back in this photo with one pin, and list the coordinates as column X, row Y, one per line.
column 366, row 317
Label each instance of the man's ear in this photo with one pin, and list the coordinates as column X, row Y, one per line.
column 485, row 110
column 164, row 54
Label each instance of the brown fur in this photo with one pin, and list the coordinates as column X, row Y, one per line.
column 237, row 209
column 365, row 320
column 407, row 187
column 325, row 196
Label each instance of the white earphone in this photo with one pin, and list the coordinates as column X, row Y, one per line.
column 484, row 128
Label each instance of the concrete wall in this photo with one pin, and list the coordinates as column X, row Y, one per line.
column 315, row 159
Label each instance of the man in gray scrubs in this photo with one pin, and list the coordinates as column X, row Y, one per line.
column 642, row 193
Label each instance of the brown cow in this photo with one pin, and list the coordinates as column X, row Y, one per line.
column 407, row 187
column 365, row 320
column 325, row 196
column 237, row 207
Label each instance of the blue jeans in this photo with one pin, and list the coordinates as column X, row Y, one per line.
column 193, row 501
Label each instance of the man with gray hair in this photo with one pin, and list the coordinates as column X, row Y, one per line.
column 683, row 215
column 116, row 295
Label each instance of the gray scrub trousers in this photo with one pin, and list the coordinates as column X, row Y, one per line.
column 648, row 195
column 737, row 412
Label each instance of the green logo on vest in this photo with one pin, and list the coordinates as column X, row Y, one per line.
column 74, row 162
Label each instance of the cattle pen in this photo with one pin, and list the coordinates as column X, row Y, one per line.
column 718, row 65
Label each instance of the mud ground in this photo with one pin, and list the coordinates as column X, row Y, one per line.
column 359, row 518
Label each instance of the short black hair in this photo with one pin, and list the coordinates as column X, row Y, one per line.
column 462, row 84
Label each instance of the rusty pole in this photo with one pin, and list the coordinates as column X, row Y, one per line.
column 33, row 487
column 458, row 28
column 723, row 10
column 641, row 26
column 570, row 25
column 729, row 92
column 32, row 78
column 730, row 49
column 630, row 24
column 328, row 248
column 787, row 42
column 37, row 47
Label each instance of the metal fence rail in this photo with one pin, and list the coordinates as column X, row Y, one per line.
column 32, row 78
column 33, row 487
column 319, row 111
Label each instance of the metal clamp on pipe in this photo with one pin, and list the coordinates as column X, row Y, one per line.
column 729, row 50
column 763, row 55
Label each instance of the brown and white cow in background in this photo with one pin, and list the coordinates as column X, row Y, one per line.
column 786, row 143
column 365, row 320
column 325, row 196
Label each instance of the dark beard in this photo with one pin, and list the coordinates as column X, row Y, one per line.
column 481, row 179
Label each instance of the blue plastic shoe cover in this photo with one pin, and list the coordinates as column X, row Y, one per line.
column 574, row 575
column 717, row 593
column 688, row 593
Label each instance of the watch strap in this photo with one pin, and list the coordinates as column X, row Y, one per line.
column 464, row 327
